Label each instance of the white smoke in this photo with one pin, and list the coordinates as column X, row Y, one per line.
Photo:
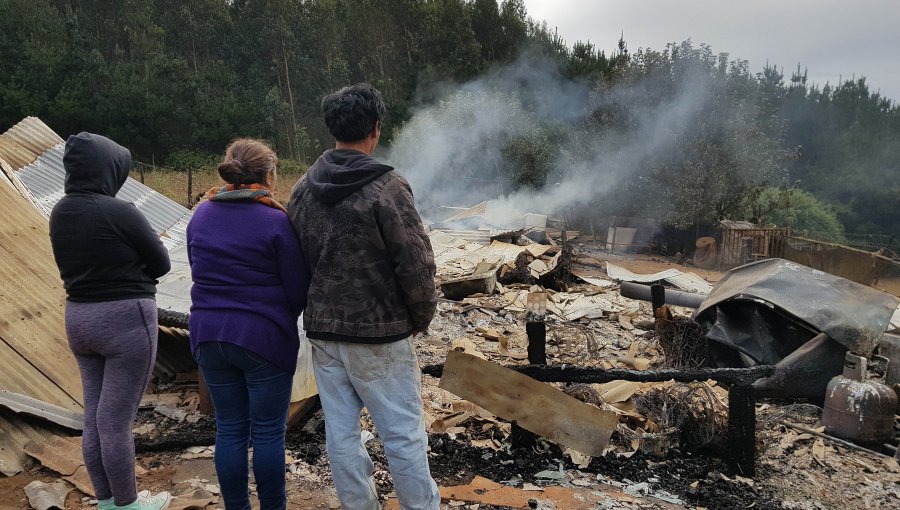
column 452, row 151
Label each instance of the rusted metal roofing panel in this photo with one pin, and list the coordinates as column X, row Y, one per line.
column 35, row 359
column 33, row 134
column 14, row 154
column 16, row 433
column 25, row 141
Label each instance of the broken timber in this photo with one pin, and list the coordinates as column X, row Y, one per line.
column 534, row 406
column 741, row 408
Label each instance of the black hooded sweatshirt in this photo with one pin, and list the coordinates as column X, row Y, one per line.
column 104, row 247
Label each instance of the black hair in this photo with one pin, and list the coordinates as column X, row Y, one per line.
column 351, row 113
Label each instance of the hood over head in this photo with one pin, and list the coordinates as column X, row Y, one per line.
column 338, row 173
column 95, row 164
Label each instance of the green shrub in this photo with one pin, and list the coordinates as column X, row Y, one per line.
column 801, row 211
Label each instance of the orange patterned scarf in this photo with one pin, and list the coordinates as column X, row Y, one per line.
column 244, row 193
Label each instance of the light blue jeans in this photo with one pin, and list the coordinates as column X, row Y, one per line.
column 384, row 378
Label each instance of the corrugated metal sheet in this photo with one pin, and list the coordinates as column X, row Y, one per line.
column 35, row 359
column 482, row 237
column 16, row 433
column 14, row 154
column 25, row 141
column 471, row 212
column 45, row 179
column 174, row 289
column 33, row 134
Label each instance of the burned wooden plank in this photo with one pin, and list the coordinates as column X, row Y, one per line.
column 741, row 399
column 572, row 374
column 300, row 410
column 537, row 407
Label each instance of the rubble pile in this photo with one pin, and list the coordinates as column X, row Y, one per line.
column 663, row 440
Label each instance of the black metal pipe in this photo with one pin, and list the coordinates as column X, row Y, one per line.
column 673, row 297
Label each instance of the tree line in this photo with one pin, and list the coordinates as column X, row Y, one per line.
column 176, row 80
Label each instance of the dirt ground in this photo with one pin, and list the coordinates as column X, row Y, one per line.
column 794, row 470
column 646, row 264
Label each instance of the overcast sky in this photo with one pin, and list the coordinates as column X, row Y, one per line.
column 830, row 38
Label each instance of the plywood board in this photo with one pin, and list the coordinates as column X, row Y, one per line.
column 533, row 405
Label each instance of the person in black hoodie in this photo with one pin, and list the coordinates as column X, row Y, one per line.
column 372, row 290
column 109, row 258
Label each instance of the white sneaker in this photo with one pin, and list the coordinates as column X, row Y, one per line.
column 147, row 501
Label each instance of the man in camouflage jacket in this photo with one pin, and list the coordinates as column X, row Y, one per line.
column 372, row 290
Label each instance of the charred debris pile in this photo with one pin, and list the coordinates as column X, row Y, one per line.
column 674, row 363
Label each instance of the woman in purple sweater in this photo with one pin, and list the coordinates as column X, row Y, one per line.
column 250, row 282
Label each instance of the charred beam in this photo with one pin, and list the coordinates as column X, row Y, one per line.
column 742, row 430
column 741, row 399
column 571, row 374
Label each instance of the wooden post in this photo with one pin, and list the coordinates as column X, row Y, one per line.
column 742, row 430
column 536, row 329
column 657, row 296
column 190, row 193
column 746, row 250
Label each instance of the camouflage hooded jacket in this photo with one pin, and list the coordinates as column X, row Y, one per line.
column 371, row 261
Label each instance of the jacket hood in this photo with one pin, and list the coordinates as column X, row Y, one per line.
column 338, row 173
column 95, row 164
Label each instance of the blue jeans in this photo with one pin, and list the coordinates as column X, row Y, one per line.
column 385, row 378
column 251, row 398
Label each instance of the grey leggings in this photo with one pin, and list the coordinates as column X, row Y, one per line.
column 115, row 345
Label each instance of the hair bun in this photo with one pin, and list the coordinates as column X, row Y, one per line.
column 247, row 161
column 232, row 171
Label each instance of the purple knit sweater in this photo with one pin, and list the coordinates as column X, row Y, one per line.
column 250, row 279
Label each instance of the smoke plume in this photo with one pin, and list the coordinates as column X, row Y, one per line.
column 477, row 141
